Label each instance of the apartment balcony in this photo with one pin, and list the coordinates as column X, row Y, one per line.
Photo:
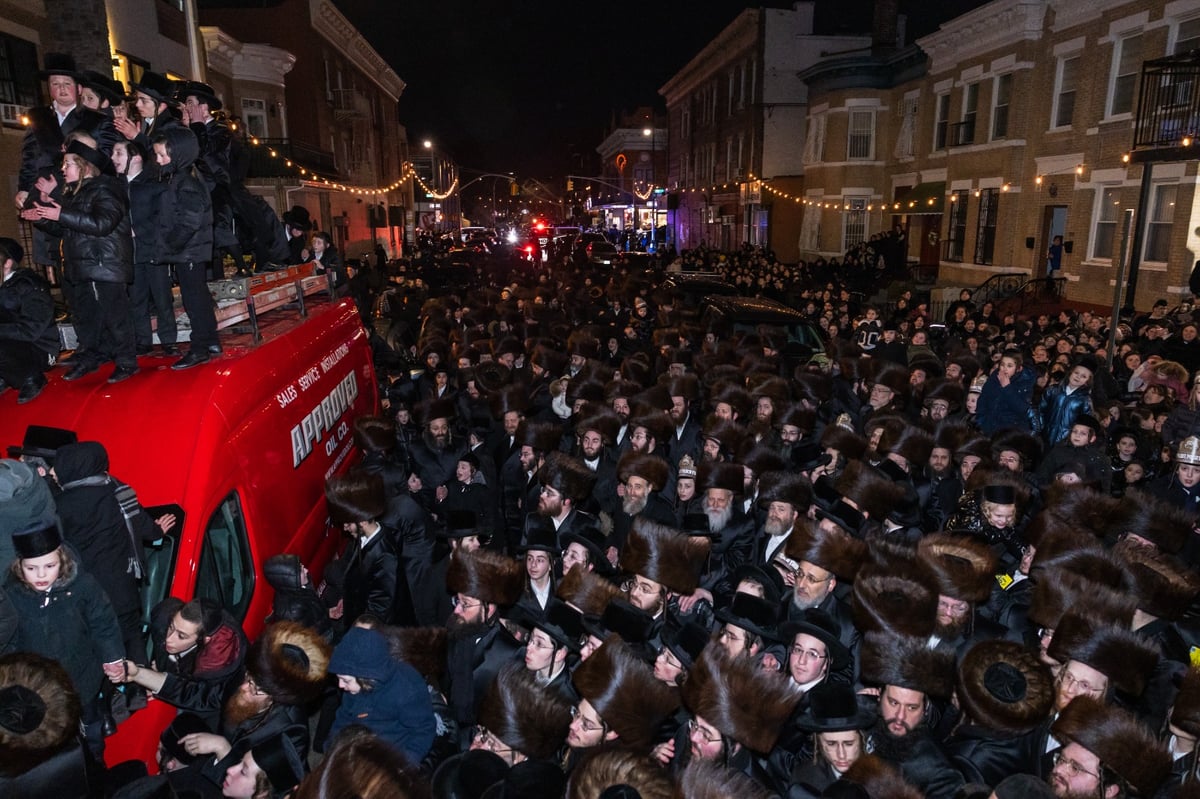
column 264, row 165
column 350, row 105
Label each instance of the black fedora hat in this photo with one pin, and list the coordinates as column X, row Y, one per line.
column 156, row 86
column 43, row 442
column 108, row 87
column 819, row 625
column 298, row 217
column 93, row 156
column 834, row 707
column 685, row 642
column 202, row 92
column 589, row 536
column 753, row 614
column 59, row 64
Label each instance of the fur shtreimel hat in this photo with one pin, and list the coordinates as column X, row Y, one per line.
column 423, row 648
column 652, row 469
column 289, row 662
column 523, row 714
column 541, row 436
column 949, row 391
column 705, row 779
column 616, row 774
column 736, row 397
column 1164, row 586
column 428, row 411
column 586, row 591
column 1004, row 687
column 1158, row 522
column 831, row 550
column 1118, row 653
column 486, row 576
column 664, row 555
column 748, row 705
column 729, row 476
column 1118, row 739
column 568, row 476
column 790, row 487
column 1057, row 591
column 887, row 602
column 356, row 497
column 728, row 435
column 625, row 694
column 848, row 443
column 869, row 489
column 509, row 399
column 907, row 662
column 880, row 779
column 912, row 443
column 891, row 376
column 657, row 425
column 1185, row 714
column 39, row 711
column 603, row 420
column 962, row 568
column 1025, row 445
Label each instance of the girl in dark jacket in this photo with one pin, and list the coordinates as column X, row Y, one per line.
column 64, row 614
column 1004, row 402
column 97, row 245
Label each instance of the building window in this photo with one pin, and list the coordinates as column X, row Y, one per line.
column 861, row 143
column 1000, row 100
column 1127, row 62
column 956, row 234
column 854, row 224
column 1187, row 36
column 965, row 130
column 941, row 121
column 1107, row 215
column 908, row 127
column 732, row 92
column 254, row 116
column 1064, row 91
column 985, row 232
column 685, row 121
column 814, row 140
column 1158, row 226
column 18, row 72
column 810, row 228
column 732, row 172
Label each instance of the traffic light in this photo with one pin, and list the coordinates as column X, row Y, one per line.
column 570, row 185
column 514, row 189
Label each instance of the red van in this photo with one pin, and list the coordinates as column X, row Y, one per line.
column 240, row 448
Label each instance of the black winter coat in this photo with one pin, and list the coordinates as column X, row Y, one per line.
column 185, row 218
column 42, row 148
column 93, row 523
column 986, row 757
column 72, row 623
column 27, row 311
column 145, row 199
column 370, row 585
column 97, row 239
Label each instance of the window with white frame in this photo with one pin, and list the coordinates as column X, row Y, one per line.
column 854, row 221
column 814, row 140
column 941, row 122
column 956, row 230
column 1108, row 213
column 860, row 143
column 1065, row 86
column 985, row 231
column 970, row 111
column 254, row 117
column 1158, row 224
column 1127, row 63
column 1001, row 96
column 1187, row 36
column 908, row 127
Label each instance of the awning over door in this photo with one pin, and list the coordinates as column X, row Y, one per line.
column 924, row 198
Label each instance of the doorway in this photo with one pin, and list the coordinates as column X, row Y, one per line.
column 1054, row 223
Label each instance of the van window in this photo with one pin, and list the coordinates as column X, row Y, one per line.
column 160, row 562
column 226, row 568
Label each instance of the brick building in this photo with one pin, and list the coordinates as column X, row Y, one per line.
column 1004, row 128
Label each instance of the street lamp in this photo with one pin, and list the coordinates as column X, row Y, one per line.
column 653, row 246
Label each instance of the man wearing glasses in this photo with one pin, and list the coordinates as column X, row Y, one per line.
column 553, row 642
column 519, row 720
column 819, row 557
column 1108, row 753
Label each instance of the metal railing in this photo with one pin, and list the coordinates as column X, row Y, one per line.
column 1042, row 289
column 264, row 165
column 998, row 287
column 1169, row 102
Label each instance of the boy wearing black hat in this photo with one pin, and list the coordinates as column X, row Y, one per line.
column 1079, row 447
column 28, row 335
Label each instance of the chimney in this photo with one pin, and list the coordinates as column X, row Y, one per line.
column 885, row 26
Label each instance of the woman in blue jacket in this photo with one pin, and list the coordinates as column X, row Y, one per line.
column 1062, row 404
column 1005, row 400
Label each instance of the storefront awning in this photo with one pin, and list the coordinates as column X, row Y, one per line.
column 924, row 198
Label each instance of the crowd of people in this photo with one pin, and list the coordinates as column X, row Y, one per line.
column 594, row 548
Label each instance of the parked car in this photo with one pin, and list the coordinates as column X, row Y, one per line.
column 731, row 316
column 602, row 253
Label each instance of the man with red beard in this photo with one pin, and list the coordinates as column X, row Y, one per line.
column 910, row 676
column 1108, row 754
column 285, row 670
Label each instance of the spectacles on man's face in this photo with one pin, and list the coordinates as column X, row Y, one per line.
column 586, row 724
column 640, row 587
column 1070, row 682
column 801, row 653
column 811, row 579
column 1072, row 768
column 459, row 602
column 703, row 732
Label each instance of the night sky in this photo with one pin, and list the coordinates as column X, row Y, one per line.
column 520, row 86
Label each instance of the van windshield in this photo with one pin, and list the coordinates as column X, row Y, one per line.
column 226, row 572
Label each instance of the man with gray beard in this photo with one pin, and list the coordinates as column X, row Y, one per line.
column 640, row 478
column 730, row 529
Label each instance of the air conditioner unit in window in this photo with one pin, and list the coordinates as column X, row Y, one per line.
column 10, row 114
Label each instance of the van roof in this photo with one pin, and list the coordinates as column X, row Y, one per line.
column 153, row 422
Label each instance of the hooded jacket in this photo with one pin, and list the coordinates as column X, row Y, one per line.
column 97, row 238
column 397, row 708
column 93, row 523
column 185, row 218
column 294, row 601
column 25, row 501
column 27, row 311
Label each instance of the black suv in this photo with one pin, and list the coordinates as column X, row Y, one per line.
column 732, row 315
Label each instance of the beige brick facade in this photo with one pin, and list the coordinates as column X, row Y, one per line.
column 1039, row 55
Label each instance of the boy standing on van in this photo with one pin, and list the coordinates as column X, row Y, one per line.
column 186, row 235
